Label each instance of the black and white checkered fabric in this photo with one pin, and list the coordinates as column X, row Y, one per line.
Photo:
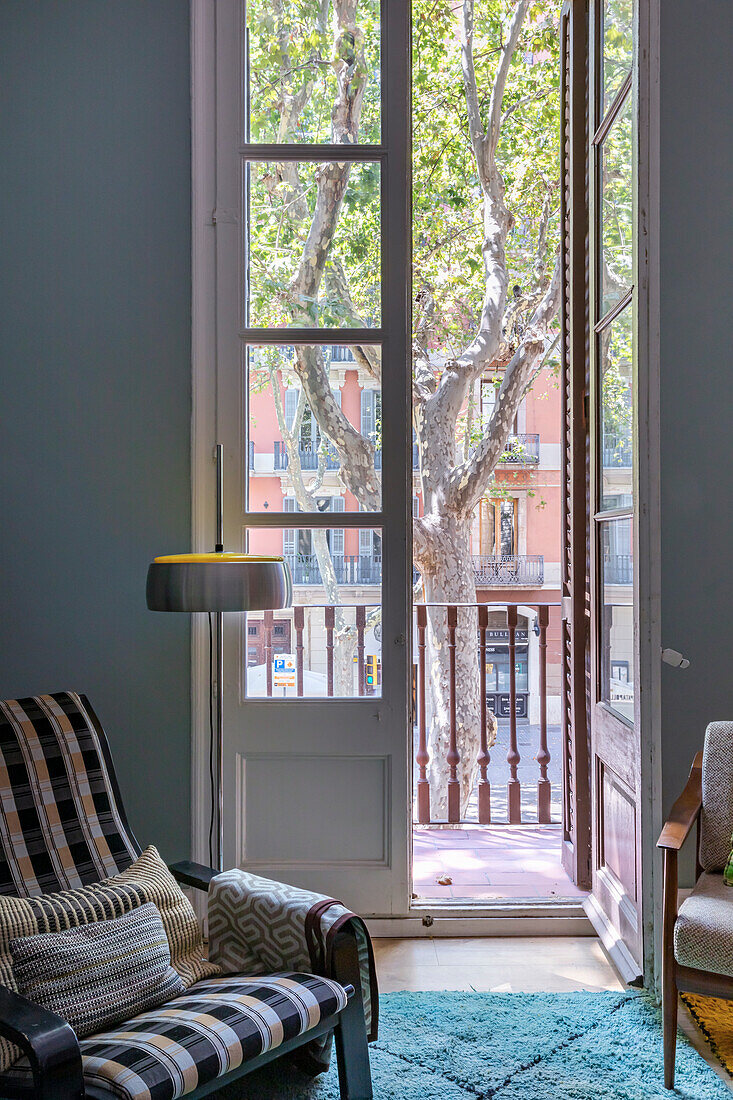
column 213, row 1029
column 62, row 825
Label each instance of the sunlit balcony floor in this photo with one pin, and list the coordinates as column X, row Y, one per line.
column 490, row 861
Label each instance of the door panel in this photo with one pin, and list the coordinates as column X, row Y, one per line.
column 615, row 901
column 316, row 772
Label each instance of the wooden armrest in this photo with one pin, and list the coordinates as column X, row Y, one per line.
column 685, row 811
column 50, row 1043
column 192, row 874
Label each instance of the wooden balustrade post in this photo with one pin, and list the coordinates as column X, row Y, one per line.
column 543, row 756
column 453, row 758
column 299, row 623
column 329, row 615
column 484, row 785
column 360, row 627
column 514, row 789
column 267, row 630
column 422, row 757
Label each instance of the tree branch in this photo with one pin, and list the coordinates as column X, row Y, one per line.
column 468, row 480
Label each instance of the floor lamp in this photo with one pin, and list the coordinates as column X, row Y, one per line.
column 216, row 583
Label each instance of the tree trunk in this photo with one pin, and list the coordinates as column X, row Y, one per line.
column 447, row 571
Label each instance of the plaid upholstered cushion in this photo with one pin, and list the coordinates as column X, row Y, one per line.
column 98, row 974
column 61, row 822
column 146, row 880
column 212, row 1029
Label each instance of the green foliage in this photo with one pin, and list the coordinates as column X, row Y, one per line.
column 291, row 49
column 447, row 226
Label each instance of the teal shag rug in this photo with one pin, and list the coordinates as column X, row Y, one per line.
column 508, row 1046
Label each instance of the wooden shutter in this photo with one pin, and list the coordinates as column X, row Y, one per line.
column 291, row 406
column 367, row 414
column 575, row 454
column 289, row 534
column 337, row 535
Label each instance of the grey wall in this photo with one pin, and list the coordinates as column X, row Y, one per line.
column 697, row 373
column 95, row 375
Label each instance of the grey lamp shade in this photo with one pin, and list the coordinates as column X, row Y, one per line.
column 218, row 582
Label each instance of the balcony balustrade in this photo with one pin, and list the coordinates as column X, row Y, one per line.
column 505, row 795
column 617, row 455
column 521, row 450
column 349, row 568
column 309, row 454
column 618, row 569
column 494, row 569
column 489, row 571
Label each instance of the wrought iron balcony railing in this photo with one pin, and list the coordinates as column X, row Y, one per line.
column 618, row 569
column 522, row 450
column 308, row 454
column 349, row 568
column 617, row 454
column 493, row 569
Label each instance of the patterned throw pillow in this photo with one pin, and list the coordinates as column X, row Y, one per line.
column 147, row 879
column 101, row 973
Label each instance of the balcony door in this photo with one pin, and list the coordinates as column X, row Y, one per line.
column 602, row 637
column 311, row 225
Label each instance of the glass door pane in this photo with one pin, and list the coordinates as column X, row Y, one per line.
column 616, row 252
column 292, row 61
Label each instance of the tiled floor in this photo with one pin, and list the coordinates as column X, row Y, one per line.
column 508, row 965
column 492, row 862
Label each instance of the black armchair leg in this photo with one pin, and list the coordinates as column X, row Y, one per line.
column 352, row 1050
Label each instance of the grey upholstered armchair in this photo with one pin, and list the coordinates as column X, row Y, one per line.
column 698, row 938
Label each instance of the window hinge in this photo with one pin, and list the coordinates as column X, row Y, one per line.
column 218, row 214
column 566, row 608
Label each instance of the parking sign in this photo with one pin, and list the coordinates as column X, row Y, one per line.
column 283, row 670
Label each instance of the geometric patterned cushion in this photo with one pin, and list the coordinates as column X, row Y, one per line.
column 716, row 819
column 62, row 825
column 209, row 1031
column 98, row 974
column 703, row 934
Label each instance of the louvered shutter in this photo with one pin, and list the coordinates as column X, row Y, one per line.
column 289, row 534
column 291, row 406
column 337, row 534
column 574, row 325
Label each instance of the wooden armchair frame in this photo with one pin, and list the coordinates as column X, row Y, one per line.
column 676, row 979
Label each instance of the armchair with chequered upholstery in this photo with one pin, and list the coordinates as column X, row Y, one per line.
column 63, row 827
column 698, row 937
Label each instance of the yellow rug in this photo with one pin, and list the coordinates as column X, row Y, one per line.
column 714, row 1018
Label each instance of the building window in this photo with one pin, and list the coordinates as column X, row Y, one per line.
column 500, row 527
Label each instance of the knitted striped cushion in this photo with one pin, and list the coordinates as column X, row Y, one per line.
column 101, row 973
column 147, row 879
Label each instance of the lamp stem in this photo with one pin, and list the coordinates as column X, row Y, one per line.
column 219, row 450
column 220, row 739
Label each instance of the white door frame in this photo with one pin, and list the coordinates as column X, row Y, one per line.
column 207, row 88
column 203, row 430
